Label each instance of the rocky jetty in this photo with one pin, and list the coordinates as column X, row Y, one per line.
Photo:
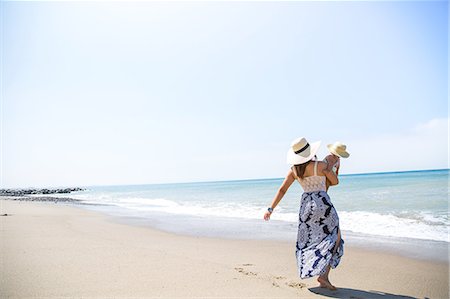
column 33, row 194
column 43, row 198
column 29, row 191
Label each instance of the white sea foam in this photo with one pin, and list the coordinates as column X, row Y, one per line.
column 418, row 226
column 194, row 209
column 155, row 202
column 393, row 226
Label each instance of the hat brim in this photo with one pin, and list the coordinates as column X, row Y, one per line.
column 294, row 159
column 342, row 154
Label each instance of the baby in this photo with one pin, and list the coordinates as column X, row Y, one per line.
column 337, row 151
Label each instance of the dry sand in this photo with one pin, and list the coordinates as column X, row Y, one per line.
column 54, row 250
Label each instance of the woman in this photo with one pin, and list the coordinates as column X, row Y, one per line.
column 319, row 244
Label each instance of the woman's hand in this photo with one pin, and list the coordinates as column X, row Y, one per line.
column 267, row 215
column 331, row 177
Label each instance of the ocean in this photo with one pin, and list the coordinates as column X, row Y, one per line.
column 379, row 210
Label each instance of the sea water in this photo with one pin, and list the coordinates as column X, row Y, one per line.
column 396, row 208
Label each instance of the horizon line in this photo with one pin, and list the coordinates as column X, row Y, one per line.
column 223, row 181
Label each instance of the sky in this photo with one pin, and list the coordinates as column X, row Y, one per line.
column 110, row 93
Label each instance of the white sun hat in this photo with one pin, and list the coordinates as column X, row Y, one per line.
column 302, row 151
column 339, row 149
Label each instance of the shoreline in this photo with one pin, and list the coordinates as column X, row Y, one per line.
column 274, row 230
column 60, row 250
column 246, row 229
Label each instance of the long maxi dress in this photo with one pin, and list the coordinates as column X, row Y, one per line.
column 317, row 229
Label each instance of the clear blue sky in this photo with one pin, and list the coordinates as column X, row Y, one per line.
column 149, row 92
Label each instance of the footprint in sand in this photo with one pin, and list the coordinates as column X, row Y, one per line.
column 274, row 279
column 279, row 277
column 295, row 284
column 291, row 284
column 245, row 272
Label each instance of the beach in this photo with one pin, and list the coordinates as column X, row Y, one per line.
column 53, row 250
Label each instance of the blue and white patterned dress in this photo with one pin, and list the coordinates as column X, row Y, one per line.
column 317, row 229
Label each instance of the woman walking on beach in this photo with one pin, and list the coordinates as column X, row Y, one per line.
column 319, row 244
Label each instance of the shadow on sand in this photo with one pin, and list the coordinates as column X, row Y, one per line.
column 356, row 294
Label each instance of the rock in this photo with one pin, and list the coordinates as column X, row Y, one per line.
column 45, row 199
column 22, row 192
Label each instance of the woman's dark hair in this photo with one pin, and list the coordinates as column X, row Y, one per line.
column 299, row 169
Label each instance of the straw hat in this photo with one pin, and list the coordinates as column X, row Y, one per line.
column 339, row 149
column 302, row 151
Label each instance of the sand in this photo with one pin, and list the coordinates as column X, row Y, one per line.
column 56, row 250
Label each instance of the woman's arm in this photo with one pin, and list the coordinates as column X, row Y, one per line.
column 281, row 191
column 331, row 177
column 329, row 174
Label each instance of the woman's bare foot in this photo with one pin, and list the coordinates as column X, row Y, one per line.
column 325, row 283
